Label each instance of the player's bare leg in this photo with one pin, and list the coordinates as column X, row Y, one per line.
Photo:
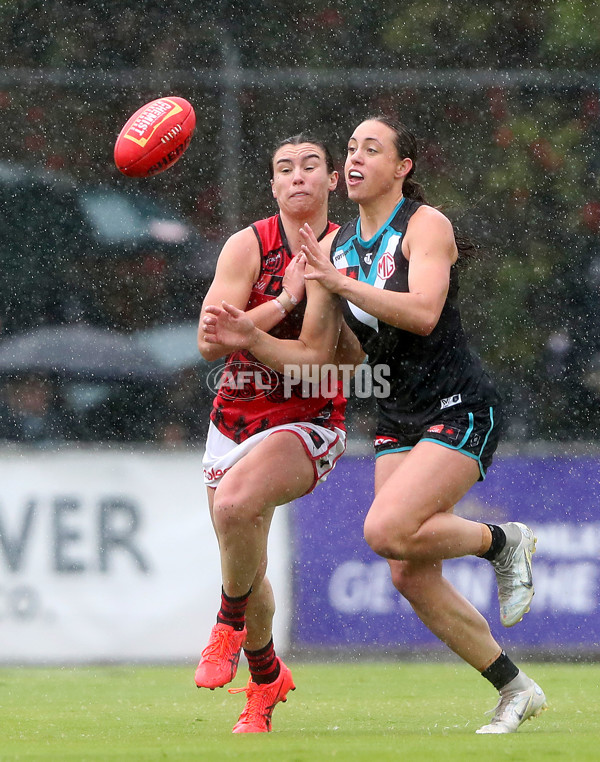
column 261, row 604
column 220, row 658
column 259, row 615
column 465, row 631
column 415, row 492
column 411, row 519
column 444, row 611
column 275, row 472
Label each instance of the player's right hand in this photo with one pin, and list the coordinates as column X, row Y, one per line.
column 293, row 279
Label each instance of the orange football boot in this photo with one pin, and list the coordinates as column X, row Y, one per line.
column 220, row 658
column 261, row 700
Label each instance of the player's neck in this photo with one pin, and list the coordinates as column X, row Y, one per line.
column 292, row 225
column 374, row 215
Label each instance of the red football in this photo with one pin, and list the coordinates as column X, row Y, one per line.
column 155, row 137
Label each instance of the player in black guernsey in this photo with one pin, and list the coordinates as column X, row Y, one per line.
column 430, row 376
column 393, row 274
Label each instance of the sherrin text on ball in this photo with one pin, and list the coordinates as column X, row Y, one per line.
column 155, row 137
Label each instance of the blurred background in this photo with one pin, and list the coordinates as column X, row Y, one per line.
column 503, row 98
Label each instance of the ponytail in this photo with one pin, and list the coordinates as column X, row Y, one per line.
column 468, row 250
column 406, row 147
column 413, row 189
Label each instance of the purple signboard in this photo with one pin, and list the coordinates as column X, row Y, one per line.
column 343, row 592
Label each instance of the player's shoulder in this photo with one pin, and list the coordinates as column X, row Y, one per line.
column 328, row 239
column 266, row 224
column 431, row 218
column 430, row 214
column 242, row 239
column 429, row 230
column 345, row 233
column 240, row 253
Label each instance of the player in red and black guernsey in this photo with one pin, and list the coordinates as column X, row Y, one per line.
column 265, row 447
column 394, row 269
column 248, row 406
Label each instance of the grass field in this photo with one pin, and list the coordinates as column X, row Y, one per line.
column 341, row 711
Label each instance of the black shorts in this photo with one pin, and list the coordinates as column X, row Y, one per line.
column 475, row 433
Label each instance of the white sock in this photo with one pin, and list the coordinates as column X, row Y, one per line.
column 519, row 683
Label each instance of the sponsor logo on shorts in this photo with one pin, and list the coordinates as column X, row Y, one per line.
column 380, row 441
column 452, row 434
column 437, row 429
column 214, row 473
column 315, row 437
column 450, row 401
column 448, row 432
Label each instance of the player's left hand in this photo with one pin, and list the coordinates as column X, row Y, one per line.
column 228, row 326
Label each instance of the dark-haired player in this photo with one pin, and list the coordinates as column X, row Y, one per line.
column 393, row 270
column 265, row 448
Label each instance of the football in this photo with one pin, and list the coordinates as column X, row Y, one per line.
column 155, row 137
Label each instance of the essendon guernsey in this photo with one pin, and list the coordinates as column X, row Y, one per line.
column 251, row 396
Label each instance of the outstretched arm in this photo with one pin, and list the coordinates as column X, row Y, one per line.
column 238, row 268
column 228, row 326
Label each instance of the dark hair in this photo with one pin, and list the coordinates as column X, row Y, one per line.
column 296, row 140
column 406, row 147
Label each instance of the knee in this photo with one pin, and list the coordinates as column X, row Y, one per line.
column 377, row 540
column 386, row 538
column 231, row 510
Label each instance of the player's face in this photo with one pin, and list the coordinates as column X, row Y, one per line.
column 301, row 182
column 373, row 167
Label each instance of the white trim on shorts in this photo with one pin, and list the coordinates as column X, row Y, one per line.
column 221, row 453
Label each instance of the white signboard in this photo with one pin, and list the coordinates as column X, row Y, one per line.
column 111, row 555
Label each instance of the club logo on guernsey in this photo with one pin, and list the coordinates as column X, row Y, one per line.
column 272, row 262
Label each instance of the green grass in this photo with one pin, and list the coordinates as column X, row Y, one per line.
column 342, row 711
